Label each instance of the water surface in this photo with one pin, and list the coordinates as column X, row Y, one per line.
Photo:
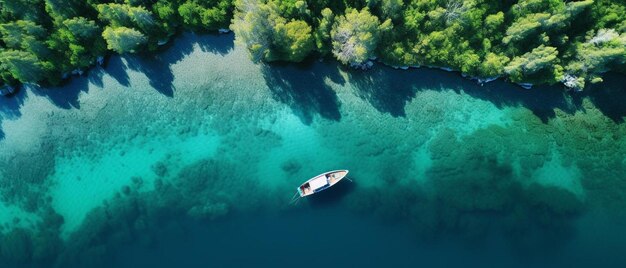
column 189, row 158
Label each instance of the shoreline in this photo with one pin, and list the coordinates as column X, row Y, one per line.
column 117, row 133
column 8, row 91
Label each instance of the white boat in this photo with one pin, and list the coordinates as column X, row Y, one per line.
column 321, row 182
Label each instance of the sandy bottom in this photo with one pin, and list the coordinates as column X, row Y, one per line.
column 200, row 137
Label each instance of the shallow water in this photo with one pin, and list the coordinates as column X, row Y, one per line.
column 190, row 158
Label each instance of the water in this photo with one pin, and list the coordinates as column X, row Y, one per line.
column 189, row 158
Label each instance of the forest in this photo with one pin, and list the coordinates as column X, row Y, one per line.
column 528, row 41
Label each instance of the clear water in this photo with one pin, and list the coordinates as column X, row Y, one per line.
column 190, row 158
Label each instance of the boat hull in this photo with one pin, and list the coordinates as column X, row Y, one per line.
column 321, row 182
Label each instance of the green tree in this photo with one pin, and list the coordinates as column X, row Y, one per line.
column 492, row 65
column 24, row 66
column 391, row 9
column 525, row 26
column 123, row 40
column 206, row 15
column 30, row 10
column 253, row 27
column 83, row 41
column 493, row 23
column 293, row 40
column 65, row 9
column 115, row 14
column 322, row 33
column 540, row 58
column 128, row 16
column 191, row 13
column 355, row 36
column 26, row 36
column 601, row 52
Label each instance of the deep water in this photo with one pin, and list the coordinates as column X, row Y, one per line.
column 189, row 159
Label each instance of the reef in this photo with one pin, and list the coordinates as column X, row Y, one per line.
column 202, row 191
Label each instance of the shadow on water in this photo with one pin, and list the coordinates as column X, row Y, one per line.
column 10, row 108
column 332, row 196
column 214, row 43
column 389, row 91
column 383, row 90
column 66, row 95
column 610, row 96
column 303, row 87
column 156, row 67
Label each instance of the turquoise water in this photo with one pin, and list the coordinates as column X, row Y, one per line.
column 190, row 158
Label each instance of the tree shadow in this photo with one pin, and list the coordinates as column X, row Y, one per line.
column 117, row 69
column 386, row 92
column 215, row 43
column 157, row 67
column 303, row 87
column 10, row 107
column 610, row 97
column 158, row 72
column 389, row 90
column 64, row 96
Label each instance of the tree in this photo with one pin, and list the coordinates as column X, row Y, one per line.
column 166, row 11
column 128, row 16
column 19, row 33
column 269, row 36
column 494, row 22
column 391, row 9
column 25, row 36
column 355, row 36
column 322, row 33
column 191, row 13
column 29, row 10
column 253, row 28
column 524, row 27
column 83, row 41
column 596, row 56
column 115, row 14
column 293, row 40
column 199, row 15
column 80, row 29
column 291, row 8
column 24, row 66
column 540, row 58
column 122, row 39
column 492, row 65
column 65, row 9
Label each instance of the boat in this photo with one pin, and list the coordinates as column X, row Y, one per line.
column 320, row 183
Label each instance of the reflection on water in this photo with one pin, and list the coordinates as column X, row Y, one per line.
column 190, row 159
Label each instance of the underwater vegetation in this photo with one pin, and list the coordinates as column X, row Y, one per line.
column 202, row 191
column 427, row 151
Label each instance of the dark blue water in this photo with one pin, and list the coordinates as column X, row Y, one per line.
column 189, row 158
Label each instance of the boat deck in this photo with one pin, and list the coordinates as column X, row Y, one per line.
column 321, row 182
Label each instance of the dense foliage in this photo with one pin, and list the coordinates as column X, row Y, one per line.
column 535, row 41
column 43, row 40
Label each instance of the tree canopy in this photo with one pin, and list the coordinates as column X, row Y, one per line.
column 531, row 41
column 355, row 36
